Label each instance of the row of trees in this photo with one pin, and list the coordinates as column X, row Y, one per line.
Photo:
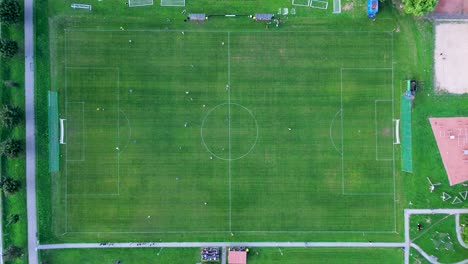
column 10, row 13
column 419, row 7
column 10, row 117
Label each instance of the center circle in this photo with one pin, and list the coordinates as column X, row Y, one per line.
column 229, row 131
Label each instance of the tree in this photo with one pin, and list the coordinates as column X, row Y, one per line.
column 10, row 116
column 419, row 7
column 10, row 83
column 11, row 148
column 10, row 12
column 12, row 252
column 8, row 48
column 9, row 186
column 12, row 219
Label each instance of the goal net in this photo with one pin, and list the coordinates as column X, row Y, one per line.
column 133, row 3
column 53, row 119
column 172, row 2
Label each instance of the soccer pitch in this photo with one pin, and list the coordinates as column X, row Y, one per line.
column 219, row 132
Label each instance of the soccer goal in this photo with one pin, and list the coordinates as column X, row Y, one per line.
column 311, row 3
column 133, row 3
column 82, row 6
column 397, row 131
column 318, row 4
column 62, row 131
column 301, row 2
column 172, row 2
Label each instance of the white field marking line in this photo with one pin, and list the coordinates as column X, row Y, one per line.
column 368, row 194
column 235, row 231
column 118, row 134
column 82, row 134
column 66, row 146
column 376, row 130
column 342, row 134
column 129, row 133
column 84, row 30
column 91, row 67
column 277, row 245
column 229, row 126
column 342, row 137
column 118, row 130
column 331, row 137
column 368, row 69
column 222, row 31
column 203, row 138
column 91, row 194
column 393, row 134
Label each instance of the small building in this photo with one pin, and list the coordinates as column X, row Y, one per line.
column 197, row 17
column 237, row 257
column 263, row 17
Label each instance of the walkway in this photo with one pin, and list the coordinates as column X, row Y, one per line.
column 30, row 130
column 225, row 244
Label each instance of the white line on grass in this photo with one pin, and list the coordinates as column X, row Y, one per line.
column 229, row 126
column 66, row 146
column 118, row 130
column 393, row 138
column 236, row 231
column 222, row 31
column 331, row 137
column 342, row 133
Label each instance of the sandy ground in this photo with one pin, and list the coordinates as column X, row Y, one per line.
column 451, row 58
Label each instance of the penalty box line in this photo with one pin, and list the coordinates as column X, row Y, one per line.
column 83, row 147
column 343, row 192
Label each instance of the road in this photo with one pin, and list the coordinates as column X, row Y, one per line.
column 409, row 212
column 30, row 131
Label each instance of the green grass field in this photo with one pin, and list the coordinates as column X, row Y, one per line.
column 126, row 256
column 301, row 141
column 192, row 255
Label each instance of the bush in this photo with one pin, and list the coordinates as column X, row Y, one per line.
column 9, row 186
column 8, row 48
column 10, row 12
column 10, row 116
column 11, row 148
column 419, row 7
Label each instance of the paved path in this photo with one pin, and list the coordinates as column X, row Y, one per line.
column 30, row 131
column 409, row 212
column 1, row 230
column 226, row 244
column 459, row 231
column 223, row 256
column 432, row 259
